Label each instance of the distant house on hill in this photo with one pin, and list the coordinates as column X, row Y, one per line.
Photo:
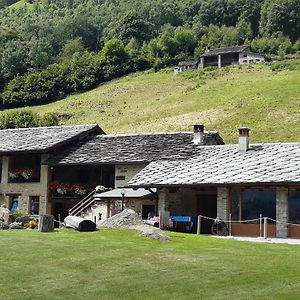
column 186, row 66
column 237, row 55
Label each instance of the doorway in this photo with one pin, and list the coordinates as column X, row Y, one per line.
column 207, row 206
column 148, row 211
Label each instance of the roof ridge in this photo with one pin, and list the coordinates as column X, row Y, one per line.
column 156, row 133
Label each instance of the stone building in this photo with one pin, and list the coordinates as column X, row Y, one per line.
column 238, row 182
column 55, row 170
column 221, row 57
column 121, row 157
column 186, row 65
column 24, row 177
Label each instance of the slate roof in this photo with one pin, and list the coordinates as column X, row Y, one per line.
column 217, row 51
column 41, row 139
column 222, row 165
column 187, row 63
column 132, row 148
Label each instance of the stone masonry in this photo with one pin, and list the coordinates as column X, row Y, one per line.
column 25, row 190
column 282, row 212
column 222, row 203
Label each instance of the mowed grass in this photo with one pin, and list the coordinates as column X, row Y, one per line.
column 255, row 96
column 119, row 264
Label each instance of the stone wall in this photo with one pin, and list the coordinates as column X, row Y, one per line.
column 282, row 195
column 222, row 203
column 178, row 202
column 123, row 173
column 137, row 204
column 25, row 190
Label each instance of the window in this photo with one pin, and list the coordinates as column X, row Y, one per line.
column 258, row 201
column 250, row 203
column 245, row 55
column 24, row 168
column 245, row 61
column 257, row 59
column 294, row 205
column 34, row 205
column 14, row 203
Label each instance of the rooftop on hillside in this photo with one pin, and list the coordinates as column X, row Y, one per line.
column 42, row 139
column 224, row 50
column 133, row 148
column 226, row 164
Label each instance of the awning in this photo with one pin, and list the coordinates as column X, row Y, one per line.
column 128, row 193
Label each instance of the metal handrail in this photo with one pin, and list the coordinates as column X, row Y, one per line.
column 79, row 205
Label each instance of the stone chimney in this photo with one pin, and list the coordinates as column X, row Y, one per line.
column 244, row 139
column 198, row 134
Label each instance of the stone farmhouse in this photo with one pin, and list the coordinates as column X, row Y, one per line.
column 241, row 181
column 55, row 170
column 221, row 57
column 118, row 158
column 186, row 66
column 25, row 179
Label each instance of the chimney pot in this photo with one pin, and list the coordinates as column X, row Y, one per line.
column 244, row 139
column 198, row 134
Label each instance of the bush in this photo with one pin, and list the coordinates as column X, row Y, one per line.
column 289, row 65
column 18, row 119
column 49, row 119
column 27, row 118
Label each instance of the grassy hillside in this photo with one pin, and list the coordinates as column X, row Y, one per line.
column 267, row 101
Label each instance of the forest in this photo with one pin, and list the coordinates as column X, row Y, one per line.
column 52, row 48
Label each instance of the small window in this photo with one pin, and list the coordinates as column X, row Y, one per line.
column 14, row 203
column 251, row 60
column 34, row 205
column 245, row 61
column 257, row 59
column 245, row 55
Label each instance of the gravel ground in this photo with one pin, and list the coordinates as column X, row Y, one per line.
column 261, row 240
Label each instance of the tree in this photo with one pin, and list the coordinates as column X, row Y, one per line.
column 281, row 16
column 186, row 42
column 115, row 58
column 70, row 48
column 132, row 25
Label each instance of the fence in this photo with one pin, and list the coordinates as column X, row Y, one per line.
column 265, row 229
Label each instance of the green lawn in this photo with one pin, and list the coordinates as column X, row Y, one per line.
column 267, row 101
column 119, row 264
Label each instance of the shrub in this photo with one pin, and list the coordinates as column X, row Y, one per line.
column 18, row 119
column 49, row 119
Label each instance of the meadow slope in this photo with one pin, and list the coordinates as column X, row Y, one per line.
column 267, row 101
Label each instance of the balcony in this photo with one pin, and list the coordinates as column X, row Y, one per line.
column 24, row 169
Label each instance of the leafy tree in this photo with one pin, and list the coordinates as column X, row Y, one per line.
column 282, row 16
column 186, row 42
column 115, row 58
column 132, row 25
column 71, row 48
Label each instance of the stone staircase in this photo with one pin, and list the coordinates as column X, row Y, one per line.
column 91, row 207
